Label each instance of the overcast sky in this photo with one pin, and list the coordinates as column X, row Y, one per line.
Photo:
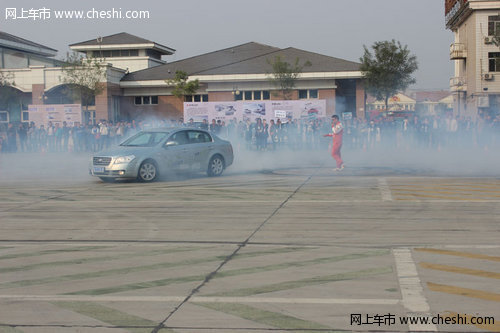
column 337, row 28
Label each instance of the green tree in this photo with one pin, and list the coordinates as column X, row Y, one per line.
column 8, row 94
column 6, row 79
column 284, row 75
column 388, row 70
column 182, row 85
column 84, row 78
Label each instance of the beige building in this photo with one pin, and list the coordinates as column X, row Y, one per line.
column 137, row 78
column 476, row 53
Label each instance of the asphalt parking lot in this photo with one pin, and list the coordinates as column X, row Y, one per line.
column 269, row 247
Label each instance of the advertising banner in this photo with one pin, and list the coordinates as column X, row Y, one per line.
column 243, row 110
column 55, row 113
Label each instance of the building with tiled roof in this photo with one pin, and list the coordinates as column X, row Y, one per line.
column 138, row 73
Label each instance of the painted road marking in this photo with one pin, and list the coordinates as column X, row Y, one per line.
column 109, row 315
column 131, row 269
column 473, row 293
column 459, row 254
column 200, row 299
column 415, row 199
column 411, row 290
column 317, row 280
column 460, row 270
column 472, row 246
column 275, row 319
column 385, row 191
column 233, row 272
column 473, row 191
column 446, row 190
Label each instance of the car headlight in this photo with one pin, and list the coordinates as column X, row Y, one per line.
column 124, row 159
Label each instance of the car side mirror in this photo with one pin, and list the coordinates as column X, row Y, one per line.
column 170, row 144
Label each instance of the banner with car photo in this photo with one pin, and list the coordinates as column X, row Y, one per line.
column 55, row 113
column 243, row 110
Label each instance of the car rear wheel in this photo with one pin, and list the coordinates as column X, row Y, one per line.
column 148, row 171
column 215, row 166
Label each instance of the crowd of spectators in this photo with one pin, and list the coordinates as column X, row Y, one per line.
column 56, row 138
column 434, row 132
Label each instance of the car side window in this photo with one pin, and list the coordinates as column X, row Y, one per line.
column 198, row 137
column 180, row 138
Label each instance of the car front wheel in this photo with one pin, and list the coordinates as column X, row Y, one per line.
column 148, row 171
column 215, row 166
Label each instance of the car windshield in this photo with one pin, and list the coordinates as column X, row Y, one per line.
column 145, row 139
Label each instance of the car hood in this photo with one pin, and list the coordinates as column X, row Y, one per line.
column 124, row 151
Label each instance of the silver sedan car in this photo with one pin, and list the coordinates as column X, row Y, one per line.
column 151, row 153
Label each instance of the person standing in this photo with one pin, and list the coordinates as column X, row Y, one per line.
column 265, row 134
column 11, row 138
column 337, row 133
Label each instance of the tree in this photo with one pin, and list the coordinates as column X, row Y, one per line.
column 84, row 77
column 8, row 94
column 388, row 70
column 183, row 87
column 6, row 79
column 284, row 75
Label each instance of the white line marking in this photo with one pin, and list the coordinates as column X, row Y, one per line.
column 198, row 299
column 191, row 201
column 385, row 191
column 411, row 289
column 388, row 197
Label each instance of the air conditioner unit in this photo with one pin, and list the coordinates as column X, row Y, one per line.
column 488, row 77
column 488, row 40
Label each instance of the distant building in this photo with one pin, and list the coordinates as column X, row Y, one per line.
column 242, row 73
column 398, row 102
column 422, row 103
column 125, row 51
column 136, row 78
column 476, row 83
column 431, row 103
column 20, row 62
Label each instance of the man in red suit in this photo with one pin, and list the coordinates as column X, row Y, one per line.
column 337, row 132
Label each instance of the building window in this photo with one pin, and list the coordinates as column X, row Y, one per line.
column 494, row 25
column 115, row 53
column 4, row 117
column 308, row 94
column 255, row 95
column 25, row 117
column 494, row 61
column 146, row 100
column 196, row 98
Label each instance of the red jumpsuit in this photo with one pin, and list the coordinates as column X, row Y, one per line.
column 338, row 131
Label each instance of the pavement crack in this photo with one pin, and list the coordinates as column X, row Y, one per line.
column 211, row 275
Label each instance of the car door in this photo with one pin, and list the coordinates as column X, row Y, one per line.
column 201, row 146
column 177, row 155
